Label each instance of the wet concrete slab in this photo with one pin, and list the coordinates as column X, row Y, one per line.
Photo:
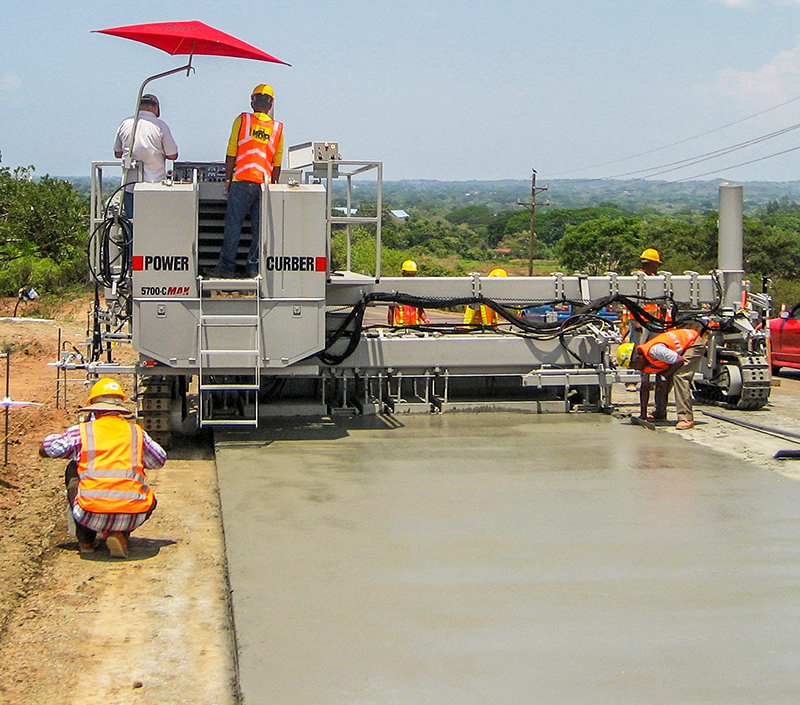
column 507, row 558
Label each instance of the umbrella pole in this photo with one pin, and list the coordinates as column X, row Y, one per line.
column 128, row 159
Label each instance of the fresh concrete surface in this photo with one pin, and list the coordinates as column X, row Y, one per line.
column 510, row 559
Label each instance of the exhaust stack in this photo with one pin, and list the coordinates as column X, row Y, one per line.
column 731, row 198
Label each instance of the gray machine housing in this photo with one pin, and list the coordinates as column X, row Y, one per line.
column 236, row 337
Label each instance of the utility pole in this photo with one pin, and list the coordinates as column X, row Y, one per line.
column 532, row 206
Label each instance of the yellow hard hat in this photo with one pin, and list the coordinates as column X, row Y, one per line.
column 105, row 387
column 409, row 266
column 263, row 89
column 625, row 353
column 499, row 272
column 652, row 255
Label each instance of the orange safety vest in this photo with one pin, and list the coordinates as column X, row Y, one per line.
column 406, row 316
column 678, row 340
column 482, row 316
column 110, row 468
column 258, row 141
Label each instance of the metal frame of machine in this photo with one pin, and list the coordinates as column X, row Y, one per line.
column 304, row 338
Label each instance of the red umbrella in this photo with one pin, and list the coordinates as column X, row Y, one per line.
column 190, row 38
column 182, row 38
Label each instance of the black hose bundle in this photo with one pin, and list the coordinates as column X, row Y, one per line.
column 113, row 239
column 352, row 326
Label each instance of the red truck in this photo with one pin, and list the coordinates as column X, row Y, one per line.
column 784, row 333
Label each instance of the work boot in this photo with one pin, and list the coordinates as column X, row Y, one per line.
column 117, row 544
column 85, row 548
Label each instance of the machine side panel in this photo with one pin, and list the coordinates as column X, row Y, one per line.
column 293, row 246
column 478, row 354
column 291, row 330
column 164, row 243
column 166, row 330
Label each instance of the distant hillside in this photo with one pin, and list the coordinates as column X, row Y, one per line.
column 660, row 196
column 663, row 197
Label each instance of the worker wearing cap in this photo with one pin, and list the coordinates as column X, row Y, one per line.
column 106, row 482
column 407, row 315
column 255, row 152
column 674, row 357
column 153, row 145
column 480, row 314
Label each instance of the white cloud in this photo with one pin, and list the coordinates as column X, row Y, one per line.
column 736, row 3
column 754, row 3
column 10, row 82
column 773, row 83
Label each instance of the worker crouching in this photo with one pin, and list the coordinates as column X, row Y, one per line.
column 106, row 482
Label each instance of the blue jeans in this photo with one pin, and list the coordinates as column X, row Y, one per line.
column 243, row 197
column 127, row 204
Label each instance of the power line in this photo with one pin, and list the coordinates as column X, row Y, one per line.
column 683, row 141
column 728, row 168
column 690, row 161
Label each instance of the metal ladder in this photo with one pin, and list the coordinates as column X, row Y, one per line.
column 220, row 334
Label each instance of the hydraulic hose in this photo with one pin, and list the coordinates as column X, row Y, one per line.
column 352, row 326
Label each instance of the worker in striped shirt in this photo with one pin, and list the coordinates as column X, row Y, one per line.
column 106, row 481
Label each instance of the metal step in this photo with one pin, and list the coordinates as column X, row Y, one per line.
column 243, row 320
column 229, row 422
column 238, row 351
column 230, row 284
column 229, row 387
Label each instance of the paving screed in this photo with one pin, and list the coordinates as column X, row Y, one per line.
column 506, row 558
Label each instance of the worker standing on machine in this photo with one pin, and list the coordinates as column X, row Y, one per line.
column 254, row 156
column 480, row 314
column 106, row 483
column 674, row 357
column 152, row 146
column 407, row 315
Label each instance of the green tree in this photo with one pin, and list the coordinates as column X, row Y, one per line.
column 43, row 232
column 770, row 251
column 601, row 245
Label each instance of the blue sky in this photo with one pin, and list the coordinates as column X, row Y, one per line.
column 436, row 89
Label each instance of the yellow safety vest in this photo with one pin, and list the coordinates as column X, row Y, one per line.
column 481, row 316
column 110, row 468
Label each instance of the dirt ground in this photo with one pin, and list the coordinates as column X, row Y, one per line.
column 156, row 628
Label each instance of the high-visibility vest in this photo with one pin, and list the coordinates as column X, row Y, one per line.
column 110, row 468
column 258, row 141
column 679, row 340
column 481, row 316
column 406, row 316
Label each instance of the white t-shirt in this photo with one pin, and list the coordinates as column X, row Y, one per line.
column 153, row 143
column 663, row 353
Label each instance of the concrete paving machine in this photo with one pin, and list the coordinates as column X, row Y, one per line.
column 306, row 337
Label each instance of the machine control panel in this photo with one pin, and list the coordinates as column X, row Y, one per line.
column 206, row 171
column 309, row 153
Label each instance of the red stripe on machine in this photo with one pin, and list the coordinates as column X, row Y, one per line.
column 321, row 264
column 138, row 263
